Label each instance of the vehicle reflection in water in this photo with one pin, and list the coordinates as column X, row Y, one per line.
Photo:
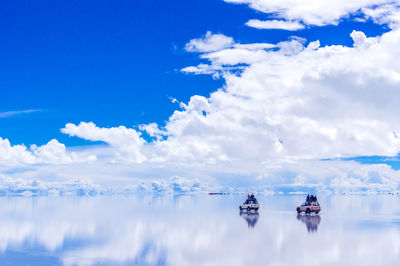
column 311, row 221
column 251, row 217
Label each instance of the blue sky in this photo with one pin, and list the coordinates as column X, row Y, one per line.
column 116, row 63
column 285, row 94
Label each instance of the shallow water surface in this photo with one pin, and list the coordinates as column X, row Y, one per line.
column 198, row 230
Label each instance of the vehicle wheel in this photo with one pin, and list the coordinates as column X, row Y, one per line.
column 298, row 210
column 248, row 209
column 240, row 208
column 256, row 209
column 308, row 211
column 316, row 212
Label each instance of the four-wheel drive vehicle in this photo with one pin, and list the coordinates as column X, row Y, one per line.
column 250, row 204
column 309, row 207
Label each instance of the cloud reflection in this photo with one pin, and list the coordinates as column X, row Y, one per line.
column 146, row 230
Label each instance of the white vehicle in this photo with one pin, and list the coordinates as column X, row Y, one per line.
column 309, row 206
column 250, row 204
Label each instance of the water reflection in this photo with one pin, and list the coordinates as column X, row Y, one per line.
column 311, row 221
column 197, row 231
column 250, row 217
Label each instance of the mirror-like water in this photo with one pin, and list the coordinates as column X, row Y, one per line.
column 198, row 230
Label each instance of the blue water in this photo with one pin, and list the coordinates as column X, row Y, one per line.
column 198, row 230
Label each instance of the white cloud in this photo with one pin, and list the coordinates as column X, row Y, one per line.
column 361, row 41
column 283, row 108
column 292, row 104
column 204, row 69
column 311, row 12
column 210, row 42
column 327, row 98
column 275, row 24
column 55, row 152
column 234, row 54
column 152, row 129
column 127, row 141
column 254, row 46
column 388, row 14
column 52, row 152
column 14, row 113
column 14, row 154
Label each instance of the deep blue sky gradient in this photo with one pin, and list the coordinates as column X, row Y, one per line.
column 116, row 62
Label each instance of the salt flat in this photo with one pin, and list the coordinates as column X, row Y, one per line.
column 198, row 230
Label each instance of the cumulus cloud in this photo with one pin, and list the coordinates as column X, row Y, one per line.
column 275, row 24
column 360, row 40
column 15, row 186
column 210, row 42
column 327, row 98
column 388, row 14
column 153, row 130
column 311, row 12
column 14, row 154
column 293, row 102
column 283, row 108
column 234, row 54
column 127, row 141
column 52, row 152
